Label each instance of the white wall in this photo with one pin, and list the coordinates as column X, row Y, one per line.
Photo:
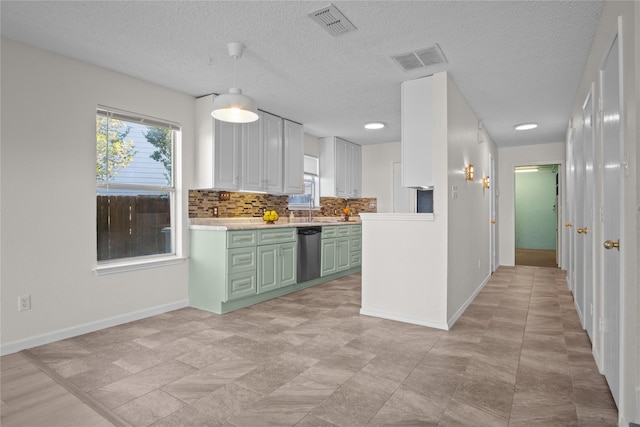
column 469, row 226
column 311, row 145
column 377, row 173
column 48, row 210
column 509, row 158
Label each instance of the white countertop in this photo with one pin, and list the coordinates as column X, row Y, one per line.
column 251, row 223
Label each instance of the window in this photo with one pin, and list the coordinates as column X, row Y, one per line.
column 311, row 187
column 134, row 186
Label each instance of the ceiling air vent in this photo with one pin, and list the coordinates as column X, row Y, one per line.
column 332, row 20
column 422, row 58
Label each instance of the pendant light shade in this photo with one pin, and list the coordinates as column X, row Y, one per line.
column 235, row 107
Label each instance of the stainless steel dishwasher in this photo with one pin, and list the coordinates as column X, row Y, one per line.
column 309, row 240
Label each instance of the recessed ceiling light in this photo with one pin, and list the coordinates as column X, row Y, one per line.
column 374, row 125
column 526, row 126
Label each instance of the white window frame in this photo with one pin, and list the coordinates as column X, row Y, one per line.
column 311, row 168
column 146, row 261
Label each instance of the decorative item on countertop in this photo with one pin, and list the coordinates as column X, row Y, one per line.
column 346, row 211
column 292, row 217
column 270, row 216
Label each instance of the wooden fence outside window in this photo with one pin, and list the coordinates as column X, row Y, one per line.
column 131, row 226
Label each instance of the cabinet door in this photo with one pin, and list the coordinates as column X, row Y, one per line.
column 343, row 158
column 267, row 268
column 355, row 171
column 287, row 268
column 343, row 256
column 226, row 155
column 252, row 173
column 293, row 158
column 328, row 257
column 418, row 131
column 273, row 153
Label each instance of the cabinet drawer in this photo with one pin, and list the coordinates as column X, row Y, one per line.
column 342, row 230
column 356, row 258
column 280, row 235
column 241, row 259
column 356, row 243
column 355, row 230
column 241, row 285
column 329, row 232
column 241, row 238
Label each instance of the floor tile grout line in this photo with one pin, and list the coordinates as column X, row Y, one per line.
column 513, row 396
column 86, row 398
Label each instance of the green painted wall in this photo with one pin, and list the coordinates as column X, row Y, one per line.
column 536, row 209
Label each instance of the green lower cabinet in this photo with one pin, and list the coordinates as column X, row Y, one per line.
column 328, row 260
column 343, row 258
column 232, row 269
column 276, row 266
column 336, row 256
column 288, row 263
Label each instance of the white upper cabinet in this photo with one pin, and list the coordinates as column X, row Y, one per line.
column 273, row 153
column 253, row 151
column 217, row 164
column 355, row 186
column 340, row 168
column 262, row 156
column 293, row 158
column 418, row 124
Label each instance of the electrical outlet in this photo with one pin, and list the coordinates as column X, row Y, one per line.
column 24, row 302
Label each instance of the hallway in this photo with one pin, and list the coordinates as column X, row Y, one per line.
column 518, row 357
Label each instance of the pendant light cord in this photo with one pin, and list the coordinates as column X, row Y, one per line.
column 235, row 73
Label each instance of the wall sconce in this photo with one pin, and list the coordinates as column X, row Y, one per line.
column 485, row 182
column 468, row 172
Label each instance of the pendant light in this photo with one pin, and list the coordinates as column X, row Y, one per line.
column 235, row 107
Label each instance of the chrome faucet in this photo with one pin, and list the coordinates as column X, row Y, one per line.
column 310, row 215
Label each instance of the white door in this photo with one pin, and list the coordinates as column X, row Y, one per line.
column 492, row 210
column 578, row 225
column 588, row 209
column 611, row 214
column 570, row 206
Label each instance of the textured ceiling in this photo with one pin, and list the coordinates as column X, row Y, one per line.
column 514, row 61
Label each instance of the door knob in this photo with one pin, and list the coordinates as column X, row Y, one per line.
column 583, row 230
column 609, row 244
column 567, row 224
column 493, row 221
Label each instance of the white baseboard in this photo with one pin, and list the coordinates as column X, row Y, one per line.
column 466, row 304
column 597, row 359
column 61, row 334
column 403, row 319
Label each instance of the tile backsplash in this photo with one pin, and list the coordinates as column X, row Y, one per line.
column 203, row 202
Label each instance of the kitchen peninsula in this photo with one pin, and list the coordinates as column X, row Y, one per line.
column 404, row 268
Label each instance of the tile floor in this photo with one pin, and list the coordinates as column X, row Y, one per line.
column 518, row 357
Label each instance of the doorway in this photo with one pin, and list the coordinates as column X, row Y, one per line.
column 536, row 215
